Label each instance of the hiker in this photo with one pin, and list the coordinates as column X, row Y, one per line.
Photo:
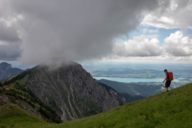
column 168, row 79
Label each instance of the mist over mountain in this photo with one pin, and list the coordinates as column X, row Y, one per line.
column 122, row 48
column 6, row 70
column 60, row 94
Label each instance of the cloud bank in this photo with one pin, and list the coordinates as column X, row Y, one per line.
column 176, row 15
column 138, row 46
column 55, row 30
column 42, row 31
column 175, row 45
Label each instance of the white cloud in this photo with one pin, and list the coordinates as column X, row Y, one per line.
column 176, row 47
column 138, row 46
column 160, row 22
column 177, row 44
column 176, row 15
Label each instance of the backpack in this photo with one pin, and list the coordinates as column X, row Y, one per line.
column 170, row 75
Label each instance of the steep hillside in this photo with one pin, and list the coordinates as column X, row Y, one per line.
column 167, row 110
column 6, row 70
column 60, row 94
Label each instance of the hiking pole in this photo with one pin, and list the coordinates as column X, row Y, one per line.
column 163, row 86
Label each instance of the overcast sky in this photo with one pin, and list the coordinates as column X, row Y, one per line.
column 50, row 31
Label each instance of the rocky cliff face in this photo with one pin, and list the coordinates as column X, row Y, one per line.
column 6, row 70
column 69, row 91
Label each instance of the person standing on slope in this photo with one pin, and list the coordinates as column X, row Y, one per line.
column 168, row 79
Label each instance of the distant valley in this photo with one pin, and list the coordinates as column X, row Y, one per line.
column 140, row 74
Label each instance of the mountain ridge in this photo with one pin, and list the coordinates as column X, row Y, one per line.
column 65, row 93
column 6, row 70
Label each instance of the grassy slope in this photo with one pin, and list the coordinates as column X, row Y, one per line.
column 11, row 116
column 167, row 110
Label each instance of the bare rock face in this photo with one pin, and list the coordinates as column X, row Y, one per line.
column 3, row 100
column 70, row 91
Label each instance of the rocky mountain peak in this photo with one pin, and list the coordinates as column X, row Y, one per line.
column 68, row 92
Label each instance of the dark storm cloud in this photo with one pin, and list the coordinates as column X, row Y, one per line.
column 9, row 51
column 8, row 33
column 56, row 30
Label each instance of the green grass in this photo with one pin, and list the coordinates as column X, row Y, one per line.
column 11, row 116
column 166, row 110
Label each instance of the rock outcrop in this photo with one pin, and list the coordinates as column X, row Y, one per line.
column 68, row 91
